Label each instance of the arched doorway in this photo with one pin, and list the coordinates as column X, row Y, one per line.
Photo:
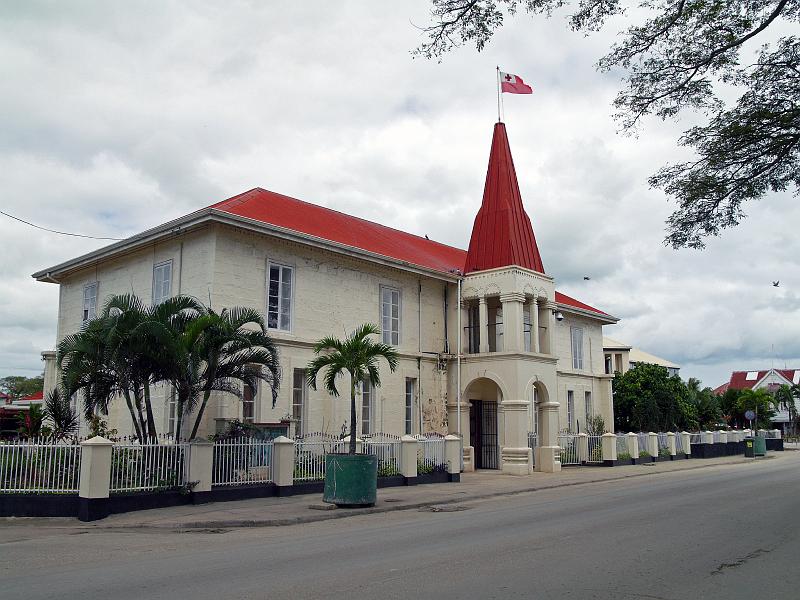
column 484, row 397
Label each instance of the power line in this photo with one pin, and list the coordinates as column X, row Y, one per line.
column 80, row 235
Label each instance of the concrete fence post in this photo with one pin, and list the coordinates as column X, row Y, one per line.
column 283, row 464
column 673, row 447
column 359, row 446
column 201, row 467
column 408, row 458
column 777, row 433
column 452, row 454
column 687, row 442
column 583, row 447
column 707, row 437
column 652, row 444
column 633, row 445
column 94, row 487
column 723, row 436
column 609, row 446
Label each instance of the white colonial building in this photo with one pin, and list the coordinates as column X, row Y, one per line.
column 482, row 335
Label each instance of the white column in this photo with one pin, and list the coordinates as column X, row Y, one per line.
column 452, row 453
column 535, row 325
column 652, row 444
column 609, row 447
column 707, row 437
column 723, row 436
column 95, row 476
column 483, row 319
column 513, row 322
column 408, row 457
column 548, row 453
column 633, row 445
column 673, row 450
column 687, row 442
column 516, row 456
column 201, row 464
column 283, row 462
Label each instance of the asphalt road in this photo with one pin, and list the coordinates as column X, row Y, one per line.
column 724, row 532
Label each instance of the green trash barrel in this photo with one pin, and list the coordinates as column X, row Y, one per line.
column 760, row 446
column 749, row 447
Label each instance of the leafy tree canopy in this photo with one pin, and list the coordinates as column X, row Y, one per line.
column 19, row 386
column 680, row 54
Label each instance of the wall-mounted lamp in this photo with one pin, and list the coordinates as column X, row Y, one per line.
column 558, row 315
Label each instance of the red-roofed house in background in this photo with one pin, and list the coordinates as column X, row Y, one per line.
column 767, row 379
column 484, row 326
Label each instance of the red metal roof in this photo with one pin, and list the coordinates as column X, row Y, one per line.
column 502, row 234
column 739, row 380
column 324, row 223
column 33, row 397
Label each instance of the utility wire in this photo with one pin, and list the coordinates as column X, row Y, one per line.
column 80, row 235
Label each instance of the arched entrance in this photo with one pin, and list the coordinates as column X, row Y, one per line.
column 484, row 397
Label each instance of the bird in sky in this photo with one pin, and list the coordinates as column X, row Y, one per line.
column 776, row 283
column 586, row 278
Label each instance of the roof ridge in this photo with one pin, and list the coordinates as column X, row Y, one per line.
column 241, row 199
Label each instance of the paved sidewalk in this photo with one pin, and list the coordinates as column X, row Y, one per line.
column 271, row 512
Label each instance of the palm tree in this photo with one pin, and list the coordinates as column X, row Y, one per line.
column 231, row 354
column 62, row 416
column 358, row 356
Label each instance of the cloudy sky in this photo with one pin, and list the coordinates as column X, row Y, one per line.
column 117, row 116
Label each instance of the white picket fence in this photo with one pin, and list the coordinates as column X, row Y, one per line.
column 29, row 467
column 622, row 444
column 568, row 442
column 240, row 461
column 309, row 454
column 595, row 445
column 431, row 453
column 387, row 448
column 148, row 467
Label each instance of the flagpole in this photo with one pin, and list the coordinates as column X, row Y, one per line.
column 498, row 94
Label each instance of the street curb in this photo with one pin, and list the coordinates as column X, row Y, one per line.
column 344, row 513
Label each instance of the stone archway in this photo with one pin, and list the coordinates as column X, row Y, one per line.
column 484, row 397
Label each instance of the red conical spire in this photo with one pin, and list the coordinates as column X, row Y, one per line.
column 502, row 234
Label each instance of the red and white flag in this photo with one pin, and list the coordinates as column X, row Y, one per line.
column 513, row 84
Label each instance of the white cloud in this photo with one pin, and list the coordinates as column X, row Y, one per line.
column 118, row 118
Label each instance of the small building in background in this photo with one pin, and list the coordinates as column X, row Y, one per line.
column 766, row 379
column 621, row 358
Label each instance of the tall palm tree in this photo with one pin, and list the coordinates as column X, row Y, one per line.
column 357, row 356
column 232, row 353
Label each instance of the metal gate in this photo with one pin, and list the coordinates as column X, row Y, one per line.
column 483, row 433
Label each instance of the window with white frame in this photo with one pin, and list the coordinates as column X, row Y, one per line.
column 162, row 281
column 299, row 395
column 570, row 409
column 587, row 397
column 367, row 405
column 249, row 404
column 390, row 315
column 411, row 385
column 577, row 347
column 279, row 297
column 90, row 301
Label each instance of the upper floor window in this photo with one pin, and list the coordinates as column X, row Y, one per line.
column 390, row 315
column 162, row 281
column 90, row 301
column 367, row 405
column 279, row 297
column 473, row 329
column 577, row 347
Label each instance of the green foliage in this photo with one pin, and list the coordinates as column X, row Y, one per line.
column 623, row 456
column 30, row 421
column 759, row 401
column 63, row 418
column 387, row 469
column 131, row 346
column 358, row 356
column 99, row 427
column 644, row 454
column 424, row 468
column 677, row 55
column 18, row 386
column 646, row 398
column 596, row 425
